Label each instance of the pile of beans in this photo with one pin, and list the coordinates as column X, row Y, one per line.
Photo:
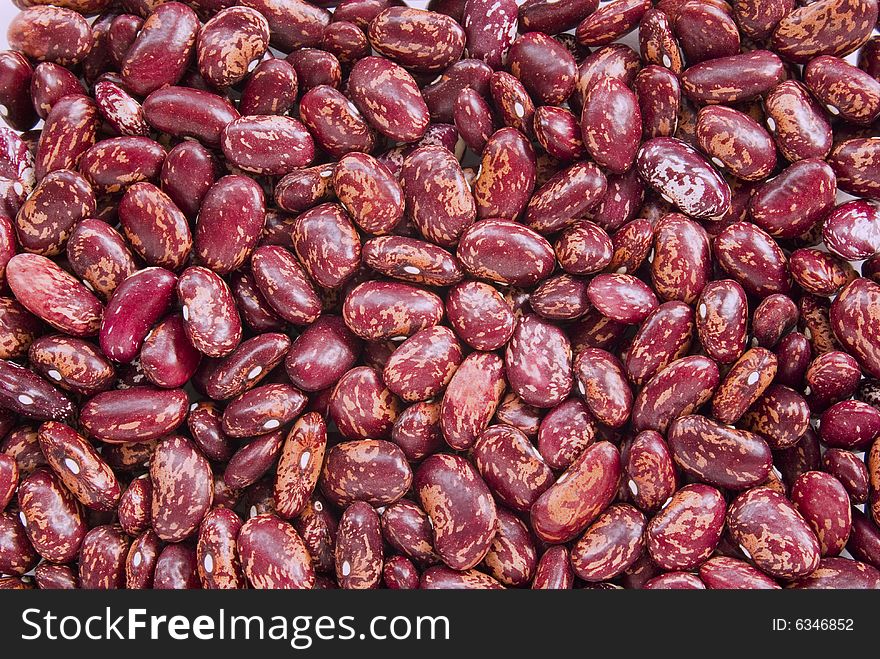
column 491, row 294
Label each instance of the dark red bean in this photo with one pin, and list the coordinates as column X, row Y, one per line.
column 471, row 398
column 725, row 573
column 133, row 415
column 53, row 295
column 490, row 29
column 462, row 511
column 187, row 112
column 413, row 308
column 739, row 459
column 176, row 569
column 853, row 314
column 849, row 470
column 161, row 52
column 373, row 471
column 839, row 573
column 773, row 534
column 182, row 488
column 231, row 216
column 676, row 170
column 622, row 298
column 823, row 501
column 732, row 79
column 579, row 495
column 52, row 518
column 284, row 285
column 687, row 530
column 610, row 545
column 299, row 465
column 362, row 406
column 16, row 74
column 418, row 40
column 507, row 175
column 649, row 469
column 262, row 409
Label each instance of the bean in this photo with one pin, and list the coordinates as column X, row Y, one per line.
column 50, row 34
column 774, row 535
column 443, row 578
column 739, row 459
column 687, row 530
column 407, row 528
column 841, row 573
column 663, row 337
column 176, row 569
column 417, row 430
column 849, row 470
column 262, row 409
column 80, row 467
column 230, row 43
column 507, row 175
column 471, row 398
column 373, row 471
column 119, row 109
column 284, row 285
column 17, row 555
column 681, row 266
column 489, row 35
column 554, row 17
column 852, row 313
column 822, row 500
column 53, row 295
column 854, row 165
column 649, row 468
column 780, row 415
column 294, row 24
column 217, row 558
column 399, row 573
column 828, row 39
column 611, row 124
column 270, row 89
column 231, row 215
column 16, row 73
column 799, row 127
column 54, row 577
column 359, row 548
column 267, row 144
column 511, row 467
column 578, row 496
column 136, row 305
column 324, row 352
column 52, row 518
column 687, row 383
column 134, row 506
column 731, row 79
column 439, row 42
column 743, row 385
column 139, row 414
column 676, row 170
column 179, row 504
column 462, row 511
column 610, row 545
column 102, row 558
column 299, row 465
column 28, row 394
column 512, row 557
column 188, row 173
column 544, row 66
column 362, row 406
column 187, row 112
